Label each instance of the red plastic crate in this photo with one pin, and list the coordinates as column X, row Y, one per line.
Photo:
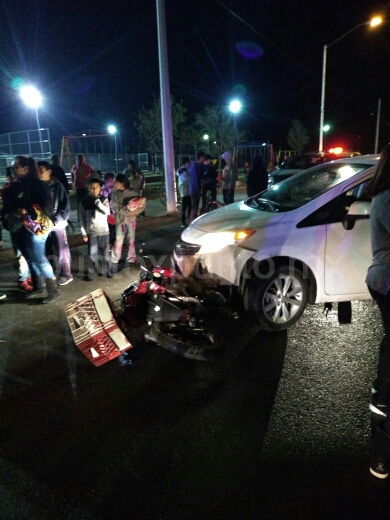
column 94, row 329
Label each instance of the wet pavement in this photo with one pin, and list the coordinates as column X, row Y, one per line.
column 277, row 427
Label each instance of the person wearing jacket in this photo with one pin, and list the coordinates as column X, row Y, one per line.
column 57, row 238
column 229, row 178
column 257, row 179
column 80, row 173
column 183, row 179
column 195, row 170
column 93, row 211
column 125, row 222
column 378, row 283
column 19, row 200
column 209, row 180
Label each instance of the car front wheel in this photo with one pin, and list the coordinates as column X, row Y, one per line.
column 279, row 300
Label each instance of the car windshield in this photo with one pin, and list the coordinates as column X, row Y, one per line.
column 304, row 187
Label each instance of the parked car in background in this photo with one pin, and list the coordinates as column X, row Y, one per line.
column 297, row 163
column 304, row 240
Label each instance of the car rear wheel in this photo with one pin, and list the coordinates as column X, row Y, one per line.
column 278, row 301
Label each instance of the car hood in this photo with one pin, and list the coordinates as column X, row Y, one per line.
column 231, row 218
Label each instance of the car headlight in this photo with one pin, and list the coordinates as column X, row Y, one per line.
column 213, row 242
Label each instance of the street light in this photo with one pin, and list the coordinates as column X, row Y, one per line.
column 112, row 131
column 377, row 20
column 33, row 99
column 206, row 137
column 326, row 129
column 235, row 107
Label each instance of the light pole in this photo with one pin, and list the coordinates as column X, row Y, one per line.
column 33, row 99
column 372, row 23
column 112, row 130
column 235, row 107
column 206, row 137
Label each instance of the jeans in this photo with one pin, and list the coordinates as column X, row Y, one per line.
column 98, row 248
column 32, row 248
column 23, row 270
column 383, row 377
column 195, row 199
column 58, row 240
column 186, row 207
column 213, row 194
column 123, row 231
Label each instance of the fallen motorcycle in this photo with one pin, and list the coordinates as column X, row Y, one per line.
column 158, row 308
column 175, row 320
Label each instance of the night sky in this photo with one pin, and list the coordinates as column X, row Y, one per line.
column 96, row 63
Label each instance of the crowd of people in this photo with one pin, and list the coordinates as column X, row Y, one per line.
column 36, row 209
column 107, row 222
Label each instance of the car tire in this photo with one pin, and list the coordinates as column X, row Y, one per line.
column 278, row 301
column 344, row 312
column 201, row 348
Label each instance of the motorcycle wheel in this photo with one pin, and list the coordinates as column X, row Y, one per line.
column 199, row 345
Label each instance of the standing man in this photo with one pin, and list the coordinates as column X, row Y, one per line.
column 130, row 170
column 81, row 172
column 196, row 170
column 209, row 180
column 184, row 190
column 229, row 178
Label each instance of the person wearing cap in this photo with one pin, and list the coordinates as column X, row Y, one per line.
column 229, row 178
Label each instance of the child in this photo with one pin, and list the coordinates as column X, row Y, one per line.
column 93, row 213
column 125, row 221
column 108, row 188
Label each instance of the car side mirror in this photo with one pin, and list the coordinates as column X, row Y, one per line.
column 358, row 211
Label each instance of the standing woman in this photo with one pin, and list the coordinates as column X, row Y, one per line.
column 19, row 201
column 378, row 282
column 229, row 178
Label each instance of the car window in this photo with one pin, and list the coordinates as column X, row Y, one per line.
column 305, row 186
column 334, row 210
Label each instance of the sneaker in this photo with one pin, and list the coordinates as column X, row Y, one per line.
column 379, row 469
column 25, row 286
column 63, row 280
column 183, row 225
column 3, row 296
column 378, row 408
column 374, row 386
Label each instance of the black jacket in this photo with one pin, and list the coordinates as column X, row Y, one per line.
column 25, row 192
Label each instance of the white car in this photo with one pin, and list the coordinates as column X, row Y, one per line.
column 304, row 240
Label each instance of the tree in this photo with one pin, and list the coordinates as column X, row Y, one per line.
column 297, row 135
column 150, row 125
column 217, row 122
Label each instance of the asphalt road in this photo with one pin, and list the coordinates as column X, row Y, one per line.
column 277, row 427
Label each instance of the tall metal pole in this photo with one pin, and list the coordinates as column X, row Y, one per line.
column 378, row 118
column 166, row 115
column 373, row 23
column 116, row 154
column 322, row 115
column 39, row 131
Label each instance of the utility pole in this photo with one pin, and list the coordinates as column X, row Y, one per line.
column 166, row 115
